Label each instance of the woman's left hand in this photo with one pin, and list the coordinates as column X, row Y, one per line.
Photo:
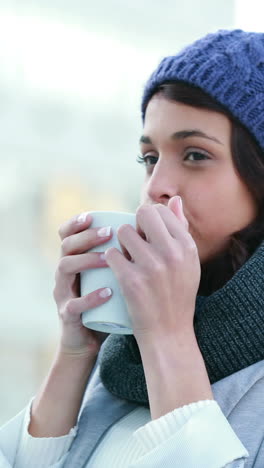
column 160, row 280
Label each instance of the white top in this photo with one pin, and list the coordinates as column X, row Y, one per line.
column 126, row 444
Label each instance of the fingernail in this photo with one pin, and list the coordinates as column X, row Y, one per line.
column 180, row 202
column 105, row 292
column 82, row 217
column 104, row 232
column 102, row 257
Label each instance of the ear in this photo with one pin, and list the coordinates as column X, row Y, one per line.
column 176, row 206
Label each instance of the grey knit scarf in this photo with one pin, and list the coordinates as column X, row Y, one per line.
column 229, row 326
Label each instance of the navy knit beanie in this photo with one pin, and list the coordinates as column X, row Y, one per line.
column 227, row 65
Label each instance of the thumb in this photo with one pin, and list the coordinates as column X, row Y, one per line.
column 176, row 206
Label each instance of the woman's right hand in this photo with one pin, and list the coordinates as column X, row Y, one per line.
column 77, row 239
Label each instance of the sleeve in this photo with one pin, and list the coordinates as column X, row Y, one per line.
column 197, row 435
column 44, row 452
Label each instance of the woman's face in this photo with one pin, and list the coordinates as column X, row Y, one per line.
column 187, row 152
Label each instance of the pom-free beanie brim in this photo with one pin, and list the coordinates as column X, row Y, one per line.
column 227, row 65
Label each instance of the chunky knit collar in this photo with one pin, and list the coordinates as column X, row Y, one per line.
column 229, row 326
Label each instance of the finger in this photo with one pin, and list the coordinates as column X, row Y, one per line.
column 74, row 307
column 176, row 206
column 175, row 227
column 74, row 264
column 132, row 243
column 117, row 262
column 82, row 241
column 150, row 222
column 74, row 225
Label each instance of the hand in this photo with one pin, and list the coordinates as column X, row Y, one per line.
column 76, row 240
column 159, row 273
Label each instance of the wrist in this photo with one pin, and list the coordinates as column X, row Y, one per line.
column 84, row 356
column 85, row 350
column 157, row 341
column 163, row 355
column 175, row 371
column 56, row 406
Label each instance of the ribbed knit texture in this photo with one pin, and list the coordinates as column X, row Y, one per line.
column 228, row 325
column 229, row 66
column 158, row 430
column 40, row 451
column 135, row 435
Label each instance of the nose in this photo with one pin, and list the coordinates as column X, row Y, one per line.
column 163, row 183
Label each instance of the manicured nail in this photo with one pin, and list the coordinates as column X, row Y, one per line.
column 105, row 293
column 82, row 217
column 104, row 232
column 102, row 257
column 180, row 202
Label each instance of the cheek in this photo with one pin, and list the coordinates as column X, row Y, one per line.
column 143, row 193
column 217, row 213
column 208, row 227
column 223, row 202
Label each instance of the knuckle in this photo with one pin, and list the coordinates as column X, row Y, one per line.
column 173, row 256
column 66, row 227
column 133, row 284
column 55, row 293
column 190, row 245
column 62, row 266
column 69, row 307
column 123, row 230
column 65, row 245
column 56, row 277
column 156, row 267
column 61, row 231
column 109, row 253
column 142, row 210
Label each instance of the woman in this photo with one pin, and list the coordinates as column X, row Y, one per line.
column 187, row 390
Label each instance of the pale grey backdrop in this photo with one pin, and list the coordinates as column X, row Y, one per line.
column 71, row 77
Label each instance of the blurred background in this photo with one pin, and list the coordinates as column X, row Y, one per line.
column 71, row 79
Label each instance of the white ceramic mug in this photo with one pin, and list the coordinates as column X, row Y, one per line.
column 112, row 316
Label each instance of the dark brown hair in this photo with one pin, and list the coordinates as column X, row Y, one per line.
column 248, row 158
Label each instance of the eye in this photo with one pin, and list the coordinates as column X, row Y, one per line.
column 196, row 156
column 147, row 160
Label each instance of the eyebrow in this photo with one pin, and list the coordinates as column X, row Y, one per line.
column 181, row 135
